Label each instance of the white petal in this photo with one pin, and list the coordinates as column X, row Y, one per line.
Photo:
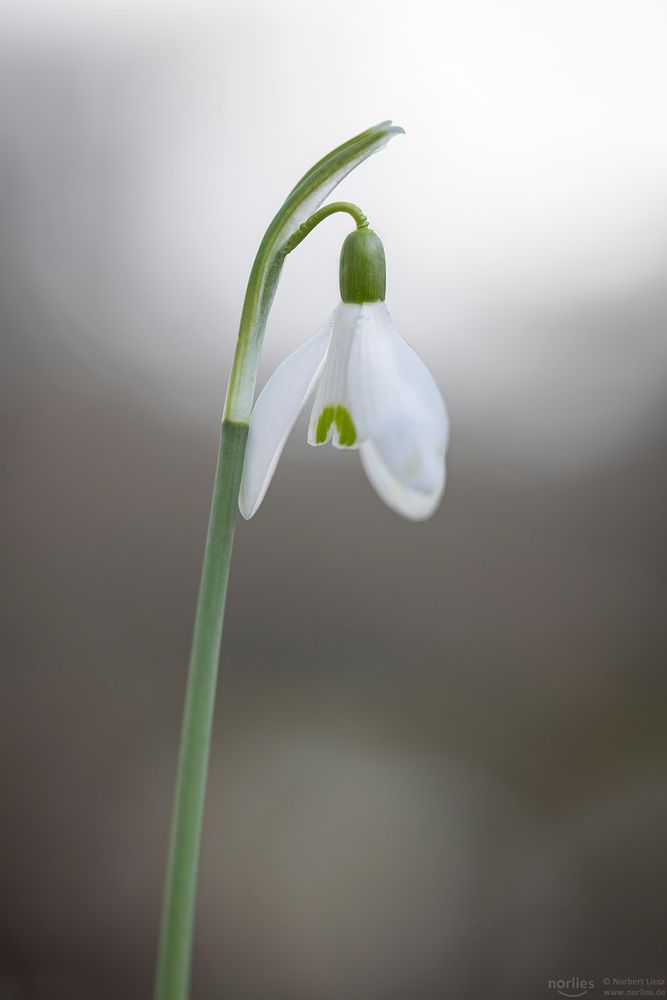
column 410, row 503
column 274, row 415
column 332, row 399
column 399, row 414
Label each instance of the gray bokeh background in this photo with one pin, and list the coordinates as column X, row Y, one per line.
column 439, row 755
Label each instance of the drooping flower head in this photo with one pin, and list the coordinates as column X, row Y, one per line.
column 371, row 392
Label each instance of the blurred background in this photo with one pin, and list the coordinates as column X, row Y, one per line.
column 439, row 753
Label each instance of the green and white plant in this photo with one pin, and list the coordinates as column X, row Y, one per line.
column 371, row 393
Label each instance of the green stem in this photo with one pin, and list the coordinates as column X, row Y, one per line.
column 178, row 915
column 291, row 224
column 321, row 214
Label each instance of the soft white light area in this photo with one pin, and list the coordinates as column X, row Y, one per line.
column 524, row 214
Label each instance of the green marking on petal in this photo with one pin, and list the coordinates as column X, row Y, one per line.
column 347, row 432
column 340, row 415
column 324, row 423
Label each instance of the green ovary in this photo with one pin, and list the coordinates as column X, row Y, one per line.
column 340, row 415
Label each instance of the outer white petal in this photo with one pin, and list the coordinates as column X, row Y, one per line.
column 274, row 415
column 400, row 416
column 410, row 503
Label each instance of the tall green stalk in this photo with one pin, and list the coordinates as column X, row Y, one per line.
column 179, row 903
column 293, row 222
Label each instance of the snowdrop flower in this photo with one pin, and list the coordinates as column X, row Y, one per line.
column 371, row 393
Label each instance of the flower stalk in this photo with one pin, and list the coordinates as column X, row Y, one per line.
column 297, row 217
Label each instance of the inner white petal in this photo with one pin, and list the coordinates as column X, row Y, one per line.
column 331, row 417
